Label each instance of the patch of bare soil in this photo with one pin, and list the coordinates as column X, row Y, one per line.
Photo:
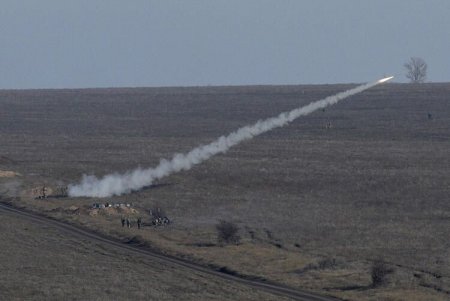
column 9, row 174
column 113, row 211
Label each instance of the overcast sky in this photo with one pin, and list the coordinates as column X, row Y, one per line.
column 112, row 43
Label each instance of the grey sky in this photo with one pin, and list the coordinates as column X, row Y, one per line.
column 94, row 43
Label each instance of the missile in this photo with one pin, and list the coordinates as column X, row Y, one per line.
column 385, row 79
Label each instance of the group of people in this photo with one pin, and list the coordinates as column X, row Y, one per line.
column 127, row 222
column 158, row 221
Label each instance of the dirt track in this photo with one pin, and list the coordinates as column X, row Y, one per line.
column 86, row 234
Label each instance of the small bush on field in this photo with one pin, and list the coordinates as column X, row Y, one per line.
column 324, row 264
column 328, row 263
column 379, row 272
column 227, row 232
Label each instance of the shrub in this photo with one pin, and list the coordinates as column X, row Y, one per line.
column 327, row 263
column 379, row 272
column 227, row 232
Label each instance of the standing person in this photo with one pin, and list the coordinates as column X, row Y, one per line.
column 123, row 221
column 139, row 222
column 128, row 223
column 44, row 192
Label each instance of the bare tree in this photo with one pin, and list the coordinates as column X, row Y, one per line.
column 416, row 70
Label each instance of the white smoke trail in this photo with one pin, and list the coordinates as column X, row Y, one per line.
column 118, row 184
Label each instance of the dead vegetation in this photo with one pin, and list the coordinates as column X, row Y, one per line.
column 227, row 232
column 67, row 268
column 375, row 184
column 323, row 264
column 379, row 272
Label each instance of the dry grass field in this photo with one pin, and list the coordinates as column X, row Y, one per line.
column 316, row 207
column 39, row 262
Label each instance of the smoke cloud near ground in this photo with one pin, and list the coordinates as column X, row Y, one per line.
column 118, row 184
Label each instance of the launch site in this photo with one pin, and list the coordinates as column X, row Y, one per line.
column 274, row 188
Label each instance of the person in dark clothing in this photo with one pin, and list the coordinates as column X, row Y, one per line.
column 128, row 223
column 139, row 222
column 123, row 222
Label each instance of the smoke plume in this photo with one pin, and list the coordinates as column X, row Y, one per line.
column 118, row 184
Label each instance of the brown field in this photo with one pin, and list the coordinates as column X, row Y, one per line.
column 315, row 206
column 39, row 262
